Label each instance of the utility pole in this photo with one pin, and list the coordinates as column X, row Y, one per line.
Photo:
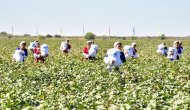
column 37, row 31
column 134, row 32
column 12, row 30
column 109, row 30
column 83, row 31
column 61, row 32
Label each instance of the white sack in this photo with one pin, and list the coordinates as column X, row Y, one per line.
column 19, row 56
column 113, row 58
column 32, row 45
column 172, row 53
column 44, row 50
column 129, row 50
column 93, row 50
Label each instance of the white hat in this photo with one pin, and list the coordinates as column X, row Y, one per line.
column 116, row 43
column 88, row 42
column 22, row 42
column 133, row 44
column 176, row 42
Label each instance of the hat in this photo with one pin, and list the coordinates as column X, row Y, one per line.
column 116, row 43
column 133, row 44
column 88, row 42
column 176, row 42
column 22, row 42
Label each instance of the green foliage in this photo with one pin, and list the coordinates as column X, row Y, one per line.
column 67, row 82
column 27, row 35
column 133, row 37
column 4, row 33
column 162, row 37
column 89, row 36
column 57, row 36
column 49, row 36
column 41, row 37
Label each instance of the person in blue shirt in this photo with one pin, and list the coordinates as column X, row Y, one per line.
column 179, row 48
column 115, row 57
column 23, row 48
column 118, row 46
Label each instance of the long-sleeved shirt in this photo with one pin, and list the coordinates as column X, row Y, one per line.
column 25, row 51
column 37, row 55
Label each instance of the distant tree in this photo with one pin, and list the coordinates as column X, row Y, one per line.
column 49, row 36
column 40, row 37
column 57, row 36
column 27, row 35
column 9, row 36
column 133, row 37
column 162, row 37
column 3, row 34
column 89, row 36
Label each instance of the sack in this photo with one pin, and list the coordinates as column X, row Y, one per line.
column 19, row 56
column 129, row 50
column 162, row 49
column 44, row 50
column 172, row 53
column 32, row 45
column 93, row 50
column 113, row 58
column 63, row 46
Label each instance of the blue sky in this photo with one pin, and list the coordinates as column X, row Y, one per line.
column 149, row 17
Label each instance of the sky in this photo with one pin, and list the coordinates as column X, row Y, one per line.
column 68, row 17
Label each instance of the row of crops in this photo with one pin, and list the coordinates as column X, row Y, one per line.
column 69, row 82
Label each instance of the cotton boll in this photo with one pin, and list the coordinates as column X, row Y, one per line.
column 172, row 53
column 44, row 50
column 19, row 55
column 93, row 50
column 129, row 50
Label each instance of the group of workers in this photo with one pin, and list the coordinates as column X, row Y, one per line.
column 113, row 58
column 172, row 53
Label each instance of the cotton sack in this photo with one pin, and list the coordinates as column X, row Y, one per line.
column 172, row 53
column 44, row 50
column 32, row 45
column 93, row 50
column 19, row 55
column 129, row 50
column 113, row 58
column 64, row 47
column 161, row 49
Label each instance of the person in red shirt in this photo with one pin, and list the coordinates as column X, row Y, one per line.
column 86, row 51
column 37, row 53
